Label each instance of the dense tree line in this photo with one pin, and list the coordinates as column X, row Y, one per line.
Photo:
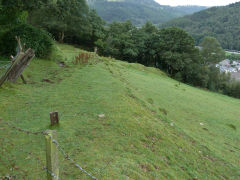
column 69, row 21
column 14, row 15
column 222, row 23
column 172, row 50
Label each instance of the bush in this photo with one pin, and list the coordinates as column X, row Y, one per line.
column 32, row 37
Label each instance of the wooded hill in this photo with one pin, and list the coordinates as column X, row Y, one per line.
column 139, row 11
column 222, row 23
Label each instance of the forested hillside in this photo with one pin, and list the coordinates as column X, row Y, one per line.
column 70, row 21
column 139, row 11
column 222, row 23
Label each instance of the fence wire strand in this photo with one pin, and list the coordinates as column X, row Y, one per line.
column 18, row 153
column 60, row 148
column 23, row 130
column 70, row 159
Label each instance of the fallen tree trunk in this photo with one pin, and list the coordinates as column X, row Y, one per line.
column 18, row 65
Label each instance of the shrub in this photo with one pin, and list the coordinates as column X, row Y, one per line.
column 32, row 37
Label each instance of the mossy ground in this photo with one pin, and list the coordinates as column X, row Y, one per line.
column 154, row 127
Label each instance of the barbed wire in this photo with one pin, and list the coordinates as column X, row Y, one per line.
column 51, row 173
column 58, row 146
column 30, row 155
column 42, row 164
column 70, row 159
column 23, row 130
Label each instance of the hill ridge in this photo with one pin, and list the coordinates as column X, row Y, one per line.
column 220, row 22
column 139, row 11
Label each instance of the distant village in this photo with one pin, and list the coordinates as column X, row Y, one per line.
column 232, row 67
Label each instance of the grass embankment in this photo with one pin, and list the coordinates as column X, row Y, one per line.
column 154, row 127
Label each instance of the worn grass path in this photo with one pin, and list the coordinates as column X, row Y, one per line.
column 154, row 127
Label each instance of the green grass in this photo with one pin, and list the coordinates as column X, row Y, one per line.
column 154, row 127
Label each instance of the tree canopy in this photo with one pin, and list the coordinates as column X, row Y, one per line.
column 211, row 50
column 62, row 16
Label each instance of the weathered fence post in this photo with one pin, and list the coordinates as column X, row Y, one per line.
column 19, row 63
column 51, row 155
column 54, row 118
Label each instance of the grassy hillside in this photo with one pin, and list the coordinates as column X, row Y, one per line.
column 219, row 22
column 154, row 127
column 139, row 11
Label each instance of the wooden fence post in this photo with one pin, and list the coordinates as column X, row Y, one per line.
column 51, row 155
column 54, row 118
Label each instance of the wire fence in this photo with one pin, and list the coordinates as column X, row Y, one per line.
column 4, row 65
column 15, row 164
column 21, row 154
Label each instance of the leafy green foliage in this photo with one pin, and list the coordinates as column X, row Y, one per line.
column 233, row 89
column 170, row 49
column 233, row 56
column 63, row 18
column 12, row 10
column 219, row 22
column 32, row 37
column 96, row 30
column 14, row 14
column 119, row 42
column 175, row 50
column 211, row 51
column 68, row 21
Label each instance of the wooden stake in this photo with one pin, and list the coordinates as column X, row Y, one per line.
column 24, row 81
column 54, row 118
column 51, row 155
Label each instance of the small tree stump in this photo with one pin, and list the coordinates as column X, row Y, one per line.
column 54, row 118
column 24, row 81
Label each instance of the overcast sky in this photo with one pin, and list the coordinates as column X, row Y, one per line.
column 196, row 2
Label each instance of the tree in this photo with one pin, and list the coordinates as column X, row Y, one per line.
column 119, row 42
column 63, row 17
column 211, row 51
column 97, row 30
column 175, row 50
column 16, row 12
column 145, row 40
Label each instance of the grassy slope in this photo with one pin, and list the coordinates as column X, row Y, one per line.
column 151, row 128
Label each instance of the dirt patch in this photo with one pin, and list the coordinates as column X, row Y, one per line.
column 48, row 81
column 145, row 168
column 164, row 111
column 232, row 126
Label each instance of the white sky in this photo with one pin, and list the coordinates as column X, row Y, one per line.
column 196, row 2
